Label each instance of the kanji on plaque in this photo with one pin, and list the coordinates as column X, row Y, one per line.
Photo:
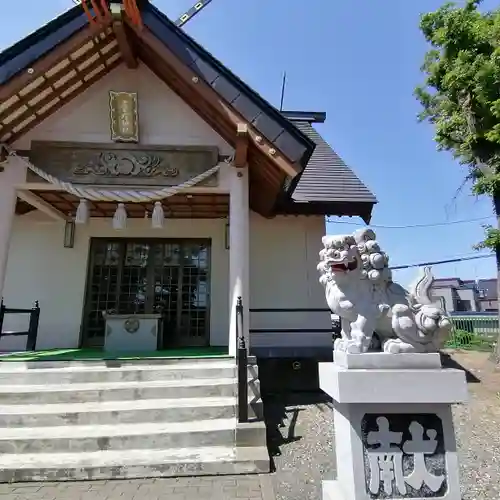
column 404, row 456
column 124, row 116
column 386, row 462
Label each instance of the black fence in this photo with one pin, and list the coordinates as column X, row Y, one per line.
column 242, row 361
column 32, row 332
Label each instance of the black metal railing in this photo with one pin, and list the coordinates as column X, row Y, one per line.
column 32, row 331
column 242, row 360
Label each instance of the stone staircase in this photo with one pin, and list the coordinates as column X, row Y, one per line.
column 108, row 419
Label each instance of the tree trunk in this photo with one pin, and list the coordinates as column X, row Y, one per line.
column 496, row 203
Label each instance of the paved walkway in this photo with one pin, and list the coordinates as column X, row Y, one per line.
column 196, row 488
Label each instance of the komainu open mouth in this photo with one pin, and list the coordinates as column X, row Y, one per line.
column 345, row 266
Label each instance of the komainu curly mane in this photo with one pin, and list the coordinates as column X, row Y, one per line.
column 359, row 288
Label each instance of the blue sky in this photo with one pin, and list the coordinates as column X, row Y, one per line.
column 359, row 61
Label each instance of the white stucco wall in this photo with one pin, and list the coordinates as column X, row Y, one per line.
column 40, row 268
column 164, row 118
column 283, row 257
column 283, row 251
column 283, row 275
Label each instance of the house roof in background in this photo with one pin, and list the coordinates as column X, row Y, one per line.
column 446, row 283
column 454, row 283
column 489, row 288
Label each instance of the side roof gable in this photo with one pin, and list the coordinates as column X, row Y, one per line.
column 295, row 145
column 326, row 176
column 327, row 184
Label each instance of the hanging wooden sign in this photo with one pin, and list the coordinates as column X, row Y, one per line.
column 124, row 116
column 122, row 164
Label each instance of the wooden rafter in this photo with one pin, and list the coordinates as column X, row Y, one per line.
column 26, row 98
column 107, row 68
column 126, row 44
column 46, row 63
column 79, row 78
column 42, row 205
column 178, row 206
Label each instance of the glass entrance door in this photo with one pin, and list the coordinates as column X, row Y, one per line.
column 168, row 277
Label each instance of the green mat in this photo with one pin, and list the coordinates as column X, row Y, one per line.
column 97, row 354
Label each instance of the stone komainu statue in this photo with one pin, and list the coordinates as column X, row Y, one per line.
column 359, row 288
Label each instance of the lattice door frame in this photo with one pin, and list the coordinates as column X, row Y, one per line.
column 122, row 243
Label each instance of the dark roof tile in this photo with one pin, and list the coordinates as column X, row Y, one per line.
column 326, row 177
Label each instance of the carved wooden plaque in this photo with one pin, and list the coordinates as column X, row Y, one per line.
column 130, row 165
column 124, row 117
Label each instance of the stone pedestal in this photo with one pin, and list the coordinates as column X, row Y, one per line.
column 131, row 332
column 394, row 434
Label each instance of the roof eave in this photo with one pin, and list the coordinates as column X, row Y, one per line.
column 327, row 208
column 45, row 39
column 305, row 116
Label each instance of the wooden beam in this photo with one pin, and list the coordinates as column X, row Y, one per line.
column 208, row 94
column 125, row 42
column 45, row 186
column 65, row 100
column 42, row 205
column 241, row 150
column 40, row 67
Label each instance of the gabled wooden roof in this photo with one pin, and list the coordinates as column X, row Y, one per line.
column 70, row 31
column 56, row 63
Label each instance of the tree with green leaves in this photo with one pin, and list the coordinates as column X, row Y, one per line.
column 461, row 98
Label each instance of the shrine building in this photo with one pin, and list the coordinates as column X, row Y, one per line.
column 141, row 179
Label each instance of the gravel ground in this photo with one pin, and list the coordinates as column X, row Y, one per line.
column 301, row 437
column 478, row 429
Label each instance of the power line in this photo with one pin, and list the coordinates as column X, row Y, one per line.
column 411, row 226
column 448, row 261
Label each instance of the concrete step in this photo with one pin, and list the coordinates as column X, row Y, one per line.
column 133, row 464
column 83, row 374
column 117, row 391
column 142, row 436
column 109, row 363
column 117, row 412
